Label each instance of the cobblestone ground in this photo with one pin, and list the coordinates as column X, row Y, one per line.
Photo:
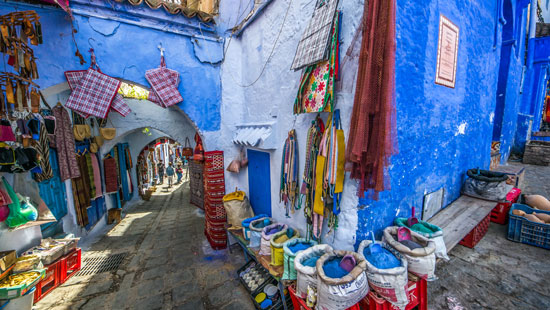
column 169, row 264
column 497, row 273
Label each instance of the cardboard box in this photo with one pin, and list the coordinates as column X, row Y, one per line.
column 114, row 215
column 7, row 261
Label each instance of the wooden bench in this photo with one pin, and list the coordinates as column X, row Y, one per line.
column 460, row 217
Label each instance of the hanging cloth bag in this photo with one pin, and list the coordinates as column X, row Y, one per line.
column 162, row 82
column 73, row 79
column 95, row 92
column 187, row 150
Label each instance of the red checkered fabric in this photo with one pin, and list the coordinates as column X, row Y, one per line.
column 164, row 82
column 74, row 77
column 120, row 106
column 153, row 96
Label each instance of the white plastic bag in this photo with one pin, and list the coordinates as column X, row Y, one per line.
column 305, row 275
column 389, row 283
column 421, row 260
column 341, row 293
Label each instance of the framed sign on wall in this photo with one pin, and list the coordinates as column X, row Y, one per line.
column 447, row 53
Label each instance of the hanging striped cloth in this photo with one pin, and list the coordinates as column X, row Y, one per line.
column 289, row 173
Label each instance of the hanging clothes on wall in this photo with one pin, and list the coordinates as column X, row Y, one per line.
column 42, row 146
column 90, row 170
column 307, row 191
column 97, row 176
column 111, row 174
column 81, row 191
column 316, row 90
column 288, row 193
column 372, row 140
column 64, row 141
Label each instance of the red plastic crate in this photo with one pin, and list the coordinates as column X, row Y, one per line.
column 70, row 265
column 499, row 214
column 215, row 243
column 300, row 304
column 49, row 282
column 477, row 233
column 417, row 292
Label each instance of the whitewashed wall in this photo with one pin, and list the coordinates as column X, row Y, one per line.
column 271, row 98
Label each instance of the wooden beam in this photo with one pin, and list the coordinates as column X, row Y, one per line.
column 460, row 217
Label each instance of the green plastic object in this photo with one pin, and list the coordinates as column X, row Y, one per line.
column 19, row 214
column 424, row 228
column 18, row 291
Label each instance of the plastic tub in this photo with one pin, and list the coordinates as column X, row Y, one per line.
column 22, row 303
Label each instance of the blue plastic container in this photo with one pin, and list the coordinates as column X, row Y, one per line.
column 246, row 225
column 525, row 231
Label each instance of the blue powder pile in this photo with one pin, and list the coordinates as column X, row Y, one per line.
column 300, row 246
column 333, row 270
column 310, row 262
column 382, row 260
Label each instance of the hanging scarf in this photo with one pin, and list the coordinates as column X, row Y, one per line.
column 372, row 130
column 307, row 190
column 289, row 173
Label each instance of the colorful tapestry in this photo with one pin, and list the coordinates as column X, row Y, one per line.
column 316, row 92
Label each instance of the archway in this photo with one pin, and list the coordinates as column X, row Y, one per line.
column 145, row 115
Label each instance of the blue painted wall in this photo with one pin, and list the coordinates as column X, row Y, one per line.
column 510, row 74
column 536, row 79
column 126, row 46
column 441, row 131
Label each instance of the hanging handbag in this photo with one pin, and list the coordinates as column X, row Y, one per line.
column 187, row 150
column 108, row 133
column 163, row 84
column 198, row 154
column 6, row 132
column 95, row 92
column 7, row 155
column 118, row 105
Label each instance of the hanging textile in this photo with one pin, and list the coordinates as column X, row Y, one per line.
column 372, row 131
column 289, row 173
column 90, row 169
column 97, row 177
column 64, row 140
column 546, row 117
column 81, row 191
column 111, row 175
column 316, row 91
column 42, row 146
column 307, row 190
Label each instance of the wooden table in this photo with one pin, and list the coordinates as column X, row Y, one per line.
column 253, row 254
column 460, row 217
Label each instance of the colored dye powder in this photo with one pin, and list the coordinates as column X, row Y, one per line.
column 311, row 262
column 297, row 247
column 382, row 260
column 422, row 228
column 410, row 244
column 333, row 270
column 273, row 230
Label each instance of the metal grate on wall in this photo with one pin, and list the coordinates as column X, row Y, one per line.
column 98, row 264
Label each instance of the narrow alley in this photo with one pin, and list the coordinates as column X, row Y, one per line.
column 167, row 263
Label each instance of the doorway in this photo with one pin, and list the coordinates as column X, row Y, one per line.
column 259, row 181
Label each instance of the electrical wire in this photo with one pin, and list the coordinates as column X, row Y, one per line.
column 270, row 54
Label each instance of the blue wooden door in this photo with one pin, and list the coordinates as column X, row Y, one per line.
column 52, row 191
column 259, row 182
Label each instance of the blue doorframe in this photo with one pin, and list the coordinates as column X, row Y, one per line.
column 122, row 171
column 259, row 181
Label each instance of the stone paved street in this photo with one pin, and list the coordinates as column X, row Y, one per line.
column 169, row 264
column 497, row 273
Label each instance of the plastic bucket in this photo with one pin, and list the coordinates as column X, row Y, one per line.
column 22, row 303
